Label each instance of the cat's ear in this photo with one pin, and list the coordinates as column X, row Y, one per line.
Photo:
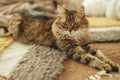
column 81, row 11
column 81, row 8
column 60, row 9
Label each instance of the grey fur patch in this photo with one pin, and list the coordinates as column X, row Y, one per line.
column 39, row 63
column 105, row 34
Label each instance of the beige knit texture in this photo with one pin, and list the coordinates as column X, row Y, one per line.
column 96, row 22
column 4, row 43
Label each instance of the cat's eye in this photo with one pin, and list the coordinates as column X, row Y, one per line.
column 64, row 24
column 76, row 24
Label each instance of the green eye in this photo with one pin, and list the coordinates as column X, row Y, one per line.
column 64, row 23
column 75, row 23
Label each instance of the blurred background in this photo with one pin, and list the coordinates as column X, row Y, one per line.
column 100, row 13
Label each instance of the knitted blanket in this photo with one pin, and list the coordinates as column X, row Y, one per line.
column 96, row 22
column 4, row 43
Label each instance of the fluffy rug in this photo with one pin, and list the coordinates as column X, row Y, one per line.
column 111, row 34
column 39, row 63
column 10, row 58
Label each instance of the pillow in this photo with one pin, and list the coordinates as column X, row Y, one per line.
column 111, row 11
column 118, row 9
column 95, row 7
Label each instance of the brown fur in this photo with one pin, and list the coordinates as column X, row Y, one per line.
column 69, row 32
column 28, row 30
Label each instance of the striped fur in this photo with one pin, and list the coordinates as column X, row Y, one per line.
column 74, row 40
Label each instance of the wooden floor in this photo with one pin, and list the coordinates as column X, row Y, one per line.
column 2, row 78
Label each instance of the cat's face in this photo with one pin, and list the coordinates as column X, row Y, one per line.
column 71, row 20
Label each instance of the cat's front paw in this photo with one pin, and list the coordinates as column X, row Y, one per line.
column 107, row 68
column 115, row 67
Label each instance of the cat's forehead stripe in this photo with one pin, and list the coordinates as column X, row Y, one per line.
column 70, row 16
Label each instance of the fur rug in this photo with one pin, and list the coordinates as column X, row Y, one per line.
column 105, row 34
column 39, row 63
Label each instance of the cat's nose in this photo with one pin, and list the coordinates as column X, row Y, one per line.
column 70, row 29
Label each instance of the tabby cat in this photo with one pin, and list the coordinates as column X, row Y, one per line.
column 67, row 32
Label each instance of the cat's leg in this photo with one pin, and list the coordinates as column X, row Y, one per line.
column 97, row 53
column 78, row 54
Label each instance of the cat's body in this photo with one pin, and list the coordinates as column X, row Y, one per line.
column 32, row 30
column 68, row 32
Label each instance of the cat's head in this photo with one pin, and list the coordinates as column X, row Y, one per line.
column 71, row 20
